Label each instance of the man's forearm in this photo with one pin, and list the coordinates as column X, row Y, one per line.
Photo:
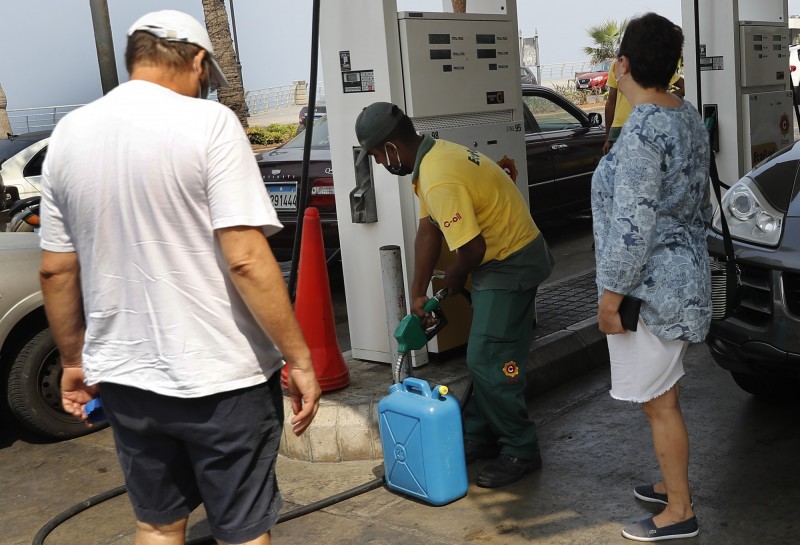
column 59, row 275
column 427, row 249
column 258, row 279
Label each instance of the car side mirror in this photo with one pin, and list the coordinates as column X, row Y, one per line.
column 595, row 119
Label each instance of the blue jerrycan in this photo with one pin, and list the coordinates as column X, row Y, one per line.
column 423, row 445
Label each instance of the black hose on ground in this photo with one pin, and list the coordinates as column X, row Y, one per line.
column 59, row 519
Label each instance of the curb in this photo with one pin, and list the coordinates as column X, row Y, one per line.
column 346, row 426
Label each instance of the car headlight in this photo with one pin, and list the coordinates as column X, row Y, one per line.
column 750, row 217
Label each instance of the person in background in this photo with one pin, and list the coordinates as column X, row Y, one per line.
column 650, row 205
column 468, row 200
column 618, row 107
column 163, row 295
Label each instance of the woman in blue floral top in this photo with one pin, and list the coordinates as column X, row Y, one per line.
column 650, row 201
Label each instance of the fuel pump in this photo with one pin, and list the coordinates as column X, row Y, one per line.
column 742, row 57
column 456, row 75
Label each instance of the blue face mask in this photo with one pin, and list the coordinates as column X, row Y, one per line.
column 204, row 85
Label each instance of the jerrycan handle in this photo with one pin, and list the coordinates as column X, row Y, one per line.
column 416, row 385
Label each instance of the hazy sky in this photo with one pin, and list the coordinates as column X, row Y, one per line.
column 48, row 54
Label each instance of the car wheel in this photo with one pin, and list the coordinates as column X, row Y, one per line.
column 764, row 387
column 18, row 225
column 34, row 391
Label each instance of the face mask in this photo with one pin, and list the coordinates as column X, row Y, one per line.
column 398, row 170
column 203, row 81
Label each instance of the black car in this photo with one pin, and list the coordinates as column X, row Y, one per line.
column 281, row 170
column 319, row 110
column 759, row 343
column 563, row 145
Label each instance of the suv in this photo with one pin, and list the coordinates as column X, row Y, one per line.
column 30, row 371
column 759, row 343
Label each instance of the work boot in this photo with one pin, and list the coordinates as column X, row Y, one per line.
column 506, row 470
column 474, row 451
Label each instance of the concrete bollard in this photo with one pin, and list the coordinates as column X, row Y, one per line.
column 300, row 92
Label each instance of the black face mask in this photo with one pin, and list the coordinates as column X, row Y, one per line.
column 400, row 169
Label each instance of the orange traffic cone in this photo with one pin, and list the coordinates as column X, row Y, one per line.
column 314, row 309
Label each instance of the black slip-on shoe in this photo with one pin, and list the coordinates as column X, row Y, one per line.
column 645, row 492
column 474, row 451
column 646, row 530
column 506, row 470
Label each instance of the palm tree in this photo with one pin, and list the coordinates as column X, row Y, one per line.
column 606, row 38
column 219, row 31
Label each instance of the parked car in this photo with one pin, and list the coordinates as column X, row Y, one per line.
column 794, row 64
column 759, row 343
column 527, row 76
column 21, row 159
column 319, row 110
column 30, row 371
column 281, row 170
column 563, row 143
column 596, row 79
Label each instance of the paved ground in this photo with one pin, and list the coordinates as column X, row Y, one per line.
column 595, row 450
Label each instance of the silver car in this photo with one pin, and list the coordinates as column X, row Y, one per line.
column 21, row 159
column 30, row 370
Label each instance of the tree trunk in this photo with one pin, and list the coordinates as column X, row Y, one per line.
column 219, row 31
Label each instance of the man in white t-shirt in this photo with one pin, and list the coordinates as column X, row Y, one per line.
column 162, row 292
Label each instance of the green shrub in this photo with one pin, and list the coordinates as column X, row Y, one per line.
column 277, row 133
column 576, row 96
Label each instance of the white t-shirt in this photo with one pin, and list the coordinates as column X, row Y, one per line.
column 135, row 183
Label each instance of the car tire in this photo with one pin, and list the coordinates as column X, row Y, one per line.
column 764, row 387
column 18, row 225
column 34, row 391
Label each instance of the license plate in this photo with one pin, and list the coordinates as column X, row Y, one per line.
column 583, row 85
column 284, row 196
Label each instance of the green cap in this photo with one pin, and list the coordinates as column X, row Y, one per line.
column 374, row 124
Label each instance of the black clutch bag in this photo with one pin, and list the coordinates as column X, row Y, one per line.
column 629, row 312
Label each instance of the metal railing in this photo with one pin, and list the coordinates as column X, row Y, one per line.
column 564, row 70
column 258, row 101
column 38, row 119
column 275, row 98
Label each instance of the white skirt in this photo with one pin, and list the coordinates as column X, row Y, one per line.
column 644, row 366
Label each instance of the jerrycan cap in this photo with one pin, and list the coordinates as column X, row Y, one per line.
column 443, row 390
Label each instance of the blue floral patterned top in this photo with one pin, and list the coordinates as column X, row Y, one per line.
column 650, row 202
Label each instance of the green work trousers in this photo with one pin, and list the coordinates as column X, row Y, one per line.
column 497, row 352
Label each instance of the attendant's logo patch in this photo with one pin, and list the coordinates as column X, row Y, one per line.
column 454, row 219
column 509, row 166
column 473, row 156
column 511, row 369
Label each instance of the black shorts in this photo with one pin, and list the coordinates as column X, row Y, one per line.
column 219, row 450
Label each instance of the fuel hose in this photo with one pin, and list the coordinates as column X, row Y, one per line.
column 59, row 519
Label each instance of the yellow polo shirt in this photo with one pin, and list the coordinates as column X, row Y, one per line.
column 466, row 194
column 623, row 108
